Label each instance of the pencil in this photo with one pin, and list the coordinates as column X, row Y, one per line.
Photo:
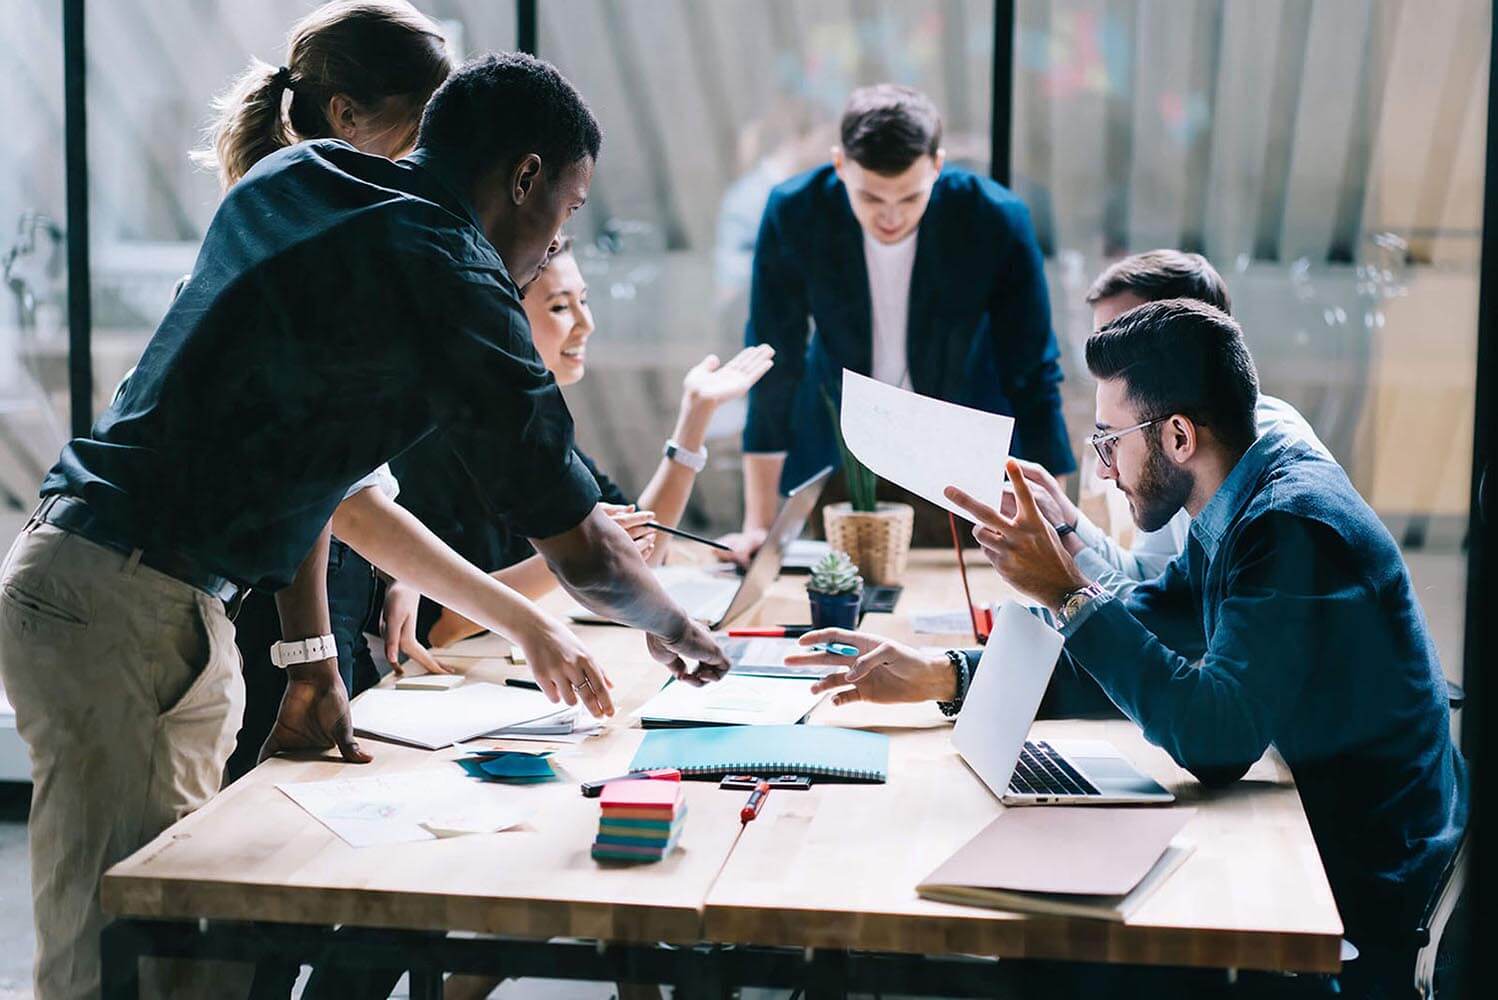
column 688, row 535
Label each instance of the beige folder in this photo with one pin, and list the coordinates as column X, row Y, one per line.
column 1089, row 862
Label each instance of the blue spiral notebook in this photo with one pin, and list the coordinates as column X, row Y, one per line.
column 828, row 752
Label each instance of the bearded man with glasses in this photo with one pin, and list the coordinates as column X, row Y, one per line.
column 1289, row 621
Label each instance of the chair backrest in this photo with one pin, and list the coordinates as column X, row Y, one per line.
column 1443, row 900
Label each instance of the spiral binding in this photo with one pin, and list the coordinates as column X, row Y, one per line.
column 815, row 771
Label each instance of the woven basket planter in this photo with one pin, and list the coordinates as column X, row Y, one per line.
column 878, row 542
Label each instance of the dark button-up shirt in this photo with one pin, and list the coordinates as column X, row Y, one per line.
column 1290, row 620
column 436, row 488
column 978, row 329
column 341, row 307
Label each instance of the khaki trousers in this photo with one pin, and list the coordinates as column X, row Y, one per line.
column 127, row 690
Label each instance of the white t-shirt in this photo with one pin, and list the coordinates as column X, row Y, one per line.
column 889, row 266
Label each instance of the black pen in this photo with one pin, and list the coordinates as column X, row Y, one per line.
column 522, row 682
column 688, row 535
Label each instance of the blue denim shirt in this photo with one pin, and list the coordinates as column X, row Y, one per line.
column 1290, row 620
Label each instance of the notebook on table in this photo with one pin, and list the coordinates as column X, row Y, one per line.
column 1101, row 863
column 825, row 752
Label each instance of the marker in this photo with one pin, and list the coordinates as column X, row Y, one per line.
column 522, row 682
column 593, row 789
column 769, row 632
column 688, row 535
column 756, row 802
column 835, row 648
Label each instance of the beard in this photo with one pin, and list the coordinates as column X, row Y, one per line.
column 1163, row 489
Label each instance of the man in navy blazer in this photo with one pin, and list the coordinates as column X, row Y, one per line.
column 889, row 263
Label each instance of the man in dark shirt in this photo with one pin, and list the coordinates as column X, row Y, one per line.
column 892, row 264
column 341, row 308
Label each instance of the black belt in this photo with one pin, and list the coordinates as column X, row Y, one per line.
column 74, row 515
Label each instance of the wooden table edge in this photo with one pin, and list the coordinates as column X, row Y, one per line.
column 1062, row 939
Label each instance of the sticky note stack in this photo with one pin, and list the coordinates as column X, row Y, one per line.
column 640, row 820
column 510, row 767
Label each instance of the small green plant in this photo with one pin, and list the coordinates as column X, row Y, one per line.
column 861, row 482
column 835, row 573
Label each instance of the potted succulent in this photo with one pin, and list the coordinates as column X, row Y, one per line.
column 875, row 535
column 836, row 591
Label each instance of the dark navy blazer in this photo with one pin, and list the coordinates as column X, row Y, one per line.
column 979, row 327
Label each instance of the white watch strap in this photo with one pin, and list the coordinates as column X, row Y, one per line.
column 289, row 654
column 694, row 460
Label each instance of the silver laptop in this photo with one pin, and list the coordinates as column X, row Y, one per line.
column 995, row 719
column 719, row 598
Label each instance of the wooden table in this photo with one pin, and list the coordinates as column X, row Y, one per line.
column 833, row 868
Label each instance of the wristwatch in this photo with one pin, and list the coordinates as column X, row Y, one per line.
column 1073, row 603
column 960, row 674
column 694, row 460
column 289, row 654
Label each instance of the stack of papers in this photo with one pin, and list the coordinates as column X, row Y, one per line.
column 509, row 767
column 436, row 719
column 570, row 725
column 736, row 700
column 640, row 821
column 409, row 806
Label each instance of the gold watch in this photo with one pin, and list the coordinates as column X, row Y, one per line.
column 1073, row 603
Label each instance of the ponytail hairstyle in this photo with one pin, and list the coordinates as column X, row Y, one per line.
column 384, row 55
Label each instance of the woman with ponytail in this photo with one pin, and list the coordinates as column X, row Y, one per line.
column 360, row 71
column 356, row 70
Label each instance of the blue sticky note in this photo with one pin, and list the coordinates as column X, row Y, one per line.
column 510, row 766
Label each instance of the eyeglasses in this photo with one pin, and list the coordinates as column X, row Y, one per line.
column 1104, row 442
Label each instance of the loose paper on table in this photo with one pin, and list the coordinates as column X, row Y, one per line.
column 409, row 806
column 435, row 719
column 924, row 444
column 736, row 700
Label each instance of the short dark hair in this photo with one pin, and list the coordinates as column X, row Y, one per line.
column 887, row 127
column 499, row 107
column 1163, row 274
column 1182, row 356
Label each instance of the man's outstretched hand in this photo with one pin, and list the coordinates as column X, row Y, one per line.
column 314, row 715
column 1024, row 548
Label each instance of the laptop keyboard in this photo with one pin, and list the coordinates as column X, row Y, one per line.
column 1043, row 771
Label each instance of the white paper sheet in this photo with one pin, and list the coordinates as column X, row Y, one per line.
column 804, row 553
column 924, row 444
column 942, row 623
column 571, row 725
column 409, row 806
column 435, row 719
column 765, row 656
column 737, row 699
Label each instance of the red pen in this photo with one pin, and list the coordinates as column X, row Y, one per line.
column 769, row 632
column 756, row 802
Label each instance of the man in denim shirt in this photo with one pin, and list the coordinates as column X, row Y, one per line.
column 1289, row 620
